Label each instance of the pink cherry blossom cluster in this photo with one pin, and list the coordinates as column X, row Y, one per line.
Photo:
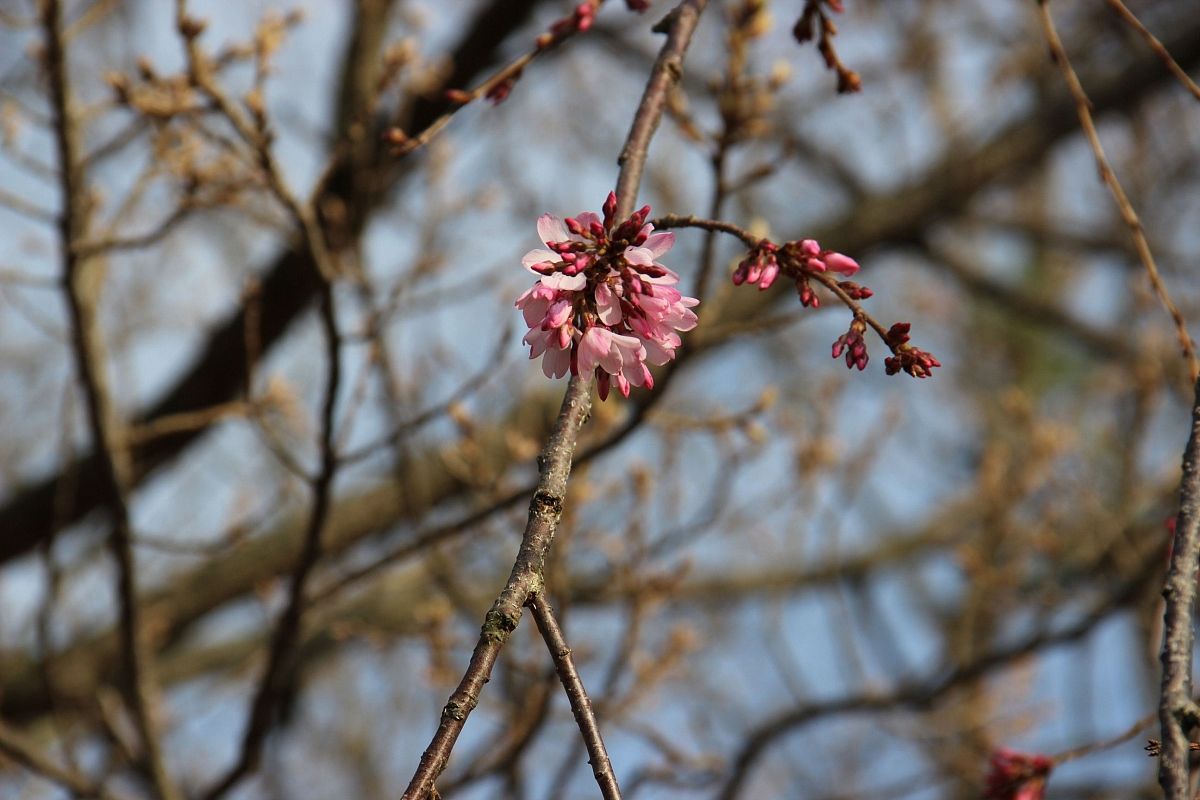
column 1017, row 776
column 602, row 302
column 913, row 360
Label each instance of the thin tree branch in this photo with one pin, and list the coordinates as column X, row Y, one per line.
column 525, row 580
column 82, row 280
column 272, row 685
column 1083, row 107
column 24, row 752
column 581, row 705
column 1177, row 713
column 1172, row 65
column 666, row 72
column 21, row 206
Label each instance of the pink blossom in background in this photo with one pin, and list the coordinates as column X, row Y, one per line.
column 1017, row 776
column 603, row 303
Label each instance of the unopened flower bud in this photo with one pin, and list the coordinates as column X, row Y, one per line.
column 610, row 208
column 769, row 274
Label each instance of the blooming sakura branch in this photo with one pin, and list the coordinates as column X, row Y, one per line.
column 602, row 302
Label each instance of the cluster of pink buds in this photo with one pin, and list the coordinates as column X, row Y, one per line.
column 602, row 302
column 805, row 262
column 913, row 360
column 853, row 345
column 798, row 260
column 766, row 260
column 1017, row 776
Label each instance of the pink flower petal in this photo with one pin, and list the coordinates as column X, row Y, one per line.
column 565, row 283
column 669, row 279
column 537, row 341
column 593, row 346
column 553, row 229
column 588, row 217
column 608, row 308
column 556, row 363
column 681, row 319
column 656, row 353
column 539, row 256
column 659, row 243
column 534, row 312
column 557, row 315
column 639, row 256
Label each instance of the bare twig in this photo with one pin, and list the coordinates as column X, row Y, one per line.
column 252, row 129
column 21, row 206
column 496, row 86
column 1159, row 50
column 581, row 705
column 712, row 225
column 188, row 421
column 272, row 686
column 24, row 752
column 668, row 69
column 82, row 281
column 1177, row 712
column 1083, row 107
column 137, row 241
column 1091, row 748
column 525, row 580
